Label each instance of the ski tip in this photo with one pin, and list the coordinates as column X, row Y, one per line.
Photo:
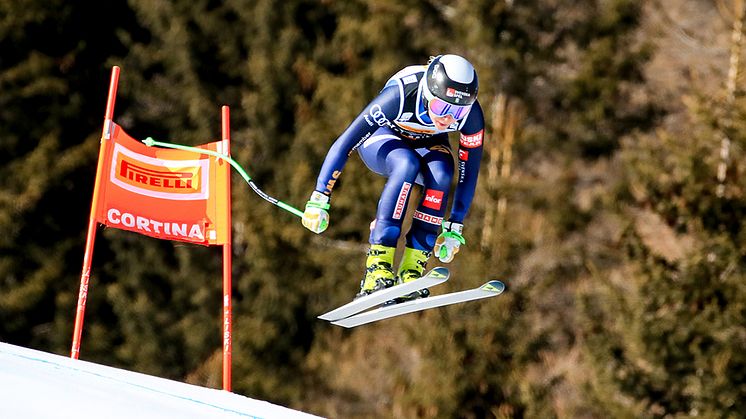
column 494, row 286
column 439, row 272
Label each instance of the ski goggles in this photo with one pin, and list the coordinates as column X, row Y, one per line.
column 440, row 107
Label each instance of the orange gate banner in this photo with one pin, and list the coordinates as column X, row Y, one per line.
column 169, row 194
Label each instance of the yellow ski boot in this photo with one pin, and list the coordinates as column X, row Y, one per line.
column 379, row 272
column 412, row 267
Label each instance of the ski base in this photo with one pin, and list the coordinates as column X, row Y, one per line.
column 434, row 277
column 490, row 289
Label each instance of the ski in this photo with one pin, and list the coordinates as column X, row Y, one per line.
column 432, row 278
column 490, row 289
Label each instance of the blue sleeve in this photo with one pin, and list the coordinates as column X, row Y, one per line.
column 379, row 112
column 469, row 159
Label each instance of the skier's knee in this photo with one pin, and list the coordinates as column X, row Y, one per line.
column 385, row 233
column 421, row 238
column 442, row 178
column 405, row 166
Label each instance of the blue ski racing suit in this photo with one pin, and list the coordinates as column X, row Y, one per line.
column 396, row 138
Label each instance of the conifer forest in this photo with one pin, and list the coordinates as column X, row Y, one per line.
column 611, row 202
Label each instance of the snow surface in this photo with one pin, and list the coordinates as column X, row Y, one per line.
column 40, row 385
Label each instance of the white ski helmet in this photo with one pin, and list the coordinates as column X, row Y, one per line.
column 453, row 79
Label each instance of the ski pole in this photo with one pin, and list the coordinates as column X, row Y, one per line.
column 151, row 142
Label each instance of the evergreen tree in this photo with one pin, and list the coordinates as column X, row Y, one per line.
column 667, row 341
column 53, row 80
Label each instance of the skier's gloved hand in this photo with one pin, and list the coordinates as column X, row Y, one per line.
column 449, row 241
column 316, row 216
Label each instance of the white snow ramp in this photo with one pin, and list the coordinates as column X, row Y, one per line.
column 40, row 385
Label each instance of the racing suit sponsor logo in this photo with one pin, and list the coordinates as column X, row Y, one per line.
column 433, row 199
column 406, row 116
column 332, row 181
column 430, row 219
column 401, row 202
column 472, row 141
column 378, row 116
column 414, row 129
column 463, row 155
column 359, row 143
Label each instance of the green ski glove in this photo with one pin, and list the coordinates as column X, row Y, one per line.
column 449, row 241
column 316, row 216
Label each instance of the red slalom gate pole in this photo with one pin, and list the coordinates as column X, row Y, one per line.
column 227, row 266
column 92, row 224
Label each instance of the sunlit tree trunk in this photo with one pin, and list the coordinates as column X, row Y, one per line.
column 733, row 70
column 505, row 122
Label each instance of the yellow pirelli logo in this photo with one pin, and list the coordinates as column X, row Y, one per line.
column 166, row 179
column 180, row 180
